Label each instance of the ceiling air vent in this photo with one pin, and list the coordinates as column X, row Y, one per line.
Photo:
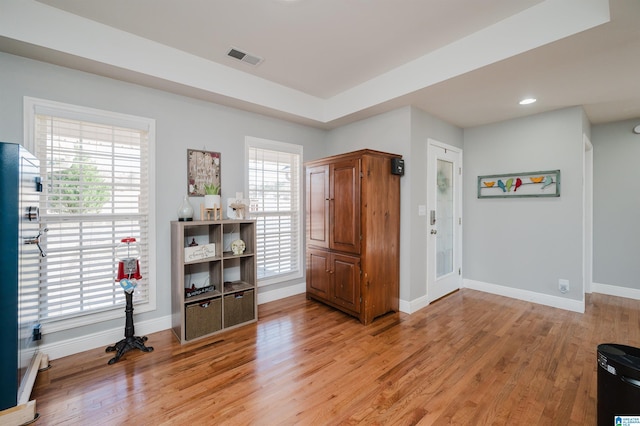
column 244, row 56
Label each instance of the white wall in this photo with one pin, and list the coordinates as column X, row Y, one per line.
column 181, row 123
column 389, row 132
column 404, row 131
column 526, row 244
column 616, row 233
column 514, row 245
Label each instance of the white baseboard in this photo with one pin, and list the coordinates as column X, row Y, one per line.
column 613, row 290
column 109, row 337
column 526, row 295
column 103, row 338
column 281, row 293
column 409, row 307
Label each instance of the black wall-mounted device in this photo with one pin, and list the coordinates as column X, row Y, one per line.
column 397, row 166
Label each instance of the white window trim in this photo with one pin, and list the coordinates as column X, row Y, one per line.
column 33, row 106
column 250, row 141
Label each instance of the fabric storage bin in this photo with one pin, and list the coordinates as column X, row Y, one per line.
column 238, row 308
column 202, row 318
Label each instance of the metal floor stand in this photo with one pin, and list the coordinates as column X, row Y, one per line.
column 130, row 341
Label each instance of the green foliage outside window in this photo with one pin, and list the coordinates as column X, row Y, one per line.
column 78, row 189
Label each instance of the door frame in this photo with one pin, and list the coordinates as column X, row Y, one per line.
column 587, row 216
column 432, row 143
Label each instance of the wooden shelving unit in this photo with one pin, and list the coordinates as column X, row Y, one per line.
column 213, row 289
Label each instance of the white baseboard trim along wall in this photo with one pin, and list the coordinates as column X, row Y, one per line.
column 526, row 295
column 281, row 293
column 104, row 338
column 409, row 307
column 109, row 337
column 614, row 290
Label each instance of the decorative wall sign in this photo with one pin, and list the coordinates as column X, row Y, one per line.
column 534, row 184
column 199, row 252
column 203, row 173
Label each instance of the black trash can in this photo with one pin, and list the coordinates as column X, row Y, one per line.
column 618, row 384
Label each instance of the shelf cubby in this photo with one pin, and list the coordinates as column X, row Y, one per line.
column 213, row 289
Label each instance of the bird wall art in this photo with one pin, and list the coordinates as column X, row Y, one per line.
column 535, row 184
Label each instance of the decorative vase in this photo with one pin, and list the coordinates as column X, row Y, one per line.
column 185, row 211
column 211, row 201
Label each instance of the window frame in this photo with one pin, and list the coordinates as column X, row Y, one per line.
column 34, row 106
column 266, row 144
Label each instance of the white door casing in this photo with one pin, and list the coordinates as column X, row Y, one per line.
column 587, row 219
column 444, row 219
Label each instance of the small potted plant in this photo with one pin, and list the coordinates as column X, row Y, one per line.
column 211, row 196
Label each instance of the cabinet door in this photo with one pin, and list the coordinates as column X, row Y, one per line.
column 344, row 206
column 317, row 207
column 318, row 273
column 345, row 275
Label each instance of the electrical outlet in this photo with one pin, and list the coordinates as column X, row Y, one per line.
column 36, row 332
column 563, row 286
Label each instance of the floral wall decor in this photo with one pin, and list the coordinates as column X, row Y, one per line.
column 203, row 173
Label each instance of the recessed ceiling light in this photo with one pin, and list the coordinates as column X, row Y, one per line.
column 527, row 101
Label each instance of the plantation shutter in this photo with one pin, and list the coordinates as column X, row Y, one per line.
column 95, row 193
column 274, row 171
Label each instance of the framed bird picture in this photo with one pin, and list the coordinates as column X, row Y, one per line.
column 533, row 184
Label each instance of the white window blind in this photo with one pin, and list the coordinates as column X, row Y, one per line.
column 274, row 176
column 96, row 191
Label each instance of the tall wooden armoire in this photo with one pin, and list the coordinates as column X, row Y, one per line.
column 353, row 233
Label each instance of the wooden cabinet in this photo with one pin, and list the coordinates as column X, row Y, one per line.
column 213, row 288
column 353, row 233
column 334, row 277
column 333, row 207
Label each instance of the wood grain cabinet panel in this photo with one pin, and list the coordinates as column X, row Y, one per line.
column 344, row 206
column 353, row 233
column 345, row 274
column 317, row 205
column 318, row 267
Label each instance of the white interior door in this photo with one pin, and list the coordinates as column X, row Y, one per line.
column 444, row 216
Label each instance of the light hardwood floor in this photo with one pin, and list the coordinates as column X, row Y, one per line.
column 468, row 359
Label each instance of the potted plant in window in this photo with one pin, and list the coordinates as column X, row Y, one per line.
column 211, row 196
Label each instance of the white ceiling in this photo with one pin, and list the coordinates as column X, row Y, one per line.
column 330, row 62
